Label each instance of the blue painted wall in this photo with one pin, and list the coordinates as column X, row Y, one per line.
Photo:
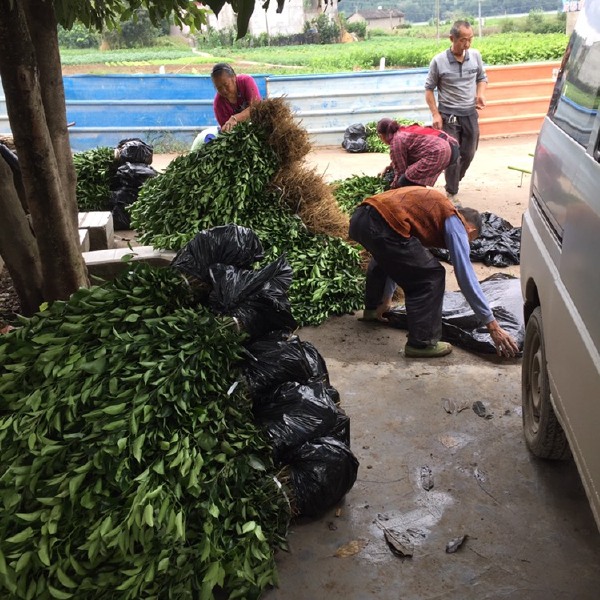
column 156, row 108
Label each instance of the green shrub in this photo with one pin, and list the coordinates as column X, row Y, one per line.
column 138, row 32
column 78, row 37
column 328, row 29
column 359, row 29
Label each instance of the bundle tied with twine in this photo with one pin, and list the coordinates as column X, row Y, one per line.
column 311, row 198
column 283, row 134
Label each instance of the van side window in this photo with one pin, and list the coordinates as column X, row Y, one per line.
column 576, row 96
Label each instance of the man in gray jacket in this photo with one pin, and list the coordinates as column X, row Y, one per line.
column 460, row 79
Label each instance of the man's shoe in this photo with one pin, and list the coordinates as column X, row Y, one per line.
column 439, row 349
column 369, row 314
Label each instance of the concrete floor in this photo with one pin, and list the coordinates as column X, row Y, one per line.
column 531, row 534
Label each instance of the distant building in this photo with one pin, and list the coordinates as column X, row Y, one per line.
column 290, row 21
column 382, row 18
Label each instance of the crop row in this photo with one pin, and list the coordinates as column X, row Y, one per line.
column 399, row 52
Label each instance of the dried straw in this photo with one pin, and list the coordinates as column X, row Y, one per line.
column 287, row 138
column 307, row 194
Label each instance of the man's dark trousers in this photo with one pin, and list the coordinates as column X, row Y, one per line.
column 411, row 266
column 466, row 131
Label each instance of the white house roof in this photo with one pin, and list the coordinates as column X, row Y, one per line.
column 384, row 13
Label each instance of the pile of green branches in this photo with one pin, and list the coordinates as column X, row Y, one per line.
column 129, row 466
column 94, row 169
column 374, row 144
column 229, row 180
column 352, row 191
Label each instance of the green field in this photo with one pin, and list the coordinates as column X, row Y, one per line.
column 398, row 52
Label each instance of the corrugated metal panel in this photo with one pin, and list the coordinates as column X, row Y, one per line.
column 327, row 104
column 168, row 109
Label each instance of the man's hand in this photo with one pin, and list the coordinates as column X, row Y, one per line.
column 437, row 121
column 383, row 308
column 480, row 102
column 504, row 342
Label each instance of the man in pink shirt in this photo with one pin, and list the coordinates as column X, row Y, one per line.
column 235, row 94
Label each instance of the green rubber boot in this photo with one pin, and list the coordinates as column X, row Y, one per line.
column 439, row 349
column 369, row 314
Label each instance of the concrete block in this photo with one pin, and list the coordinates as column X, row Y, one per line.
column 84, row 240
column 100, row 227
column 107, row 264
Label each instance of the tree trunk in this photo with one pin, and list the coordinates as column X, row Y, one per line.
column 63, row 268
column 41, row 21
column 19, row 250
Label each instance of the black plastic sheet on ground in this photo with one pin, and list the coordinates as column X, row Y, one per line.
column 499, row 244
column 355, row 138
column 296, row 413
column 322, row 471
column 256, row 299
column 462, row 328
column 225, row 244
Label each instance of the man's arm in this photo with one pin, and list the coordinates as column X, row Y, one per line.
column 431, row 83
column 481, row 84
column 480, row 95
column 457, row 242
column 435, row 113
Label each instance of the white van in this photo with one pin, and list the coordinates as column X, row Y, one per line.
column 560, row 267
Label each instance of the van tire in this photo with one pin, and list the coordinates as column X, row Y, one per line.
column 543, row 432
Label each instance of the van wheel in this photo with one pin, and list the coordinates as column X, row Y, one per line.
column 543, row 433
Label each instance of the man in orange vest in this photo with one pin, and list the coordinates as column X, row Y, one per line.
column 397, row 227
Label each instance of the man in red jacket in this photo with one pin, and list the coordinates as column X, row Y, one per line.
column 397, row 227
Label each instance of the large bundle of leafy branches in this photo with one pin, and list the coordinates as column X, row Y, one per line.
column 350, row 192
column 374, row 144
column 129, row 467
column 93, row 168
column 252, row 177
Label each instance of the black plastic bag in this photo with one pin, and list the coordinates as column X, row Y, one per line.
column 131, row 176
column 294, row 414
column 322, row 472
column 274, row 360
column 462, row 328
column 118, row 202
column 341, row 429
column 355, row 138
column 134, row 150
column 317, row 363
column 225, row 244
column 256, row 299
column 499, row 244
column 125, row 185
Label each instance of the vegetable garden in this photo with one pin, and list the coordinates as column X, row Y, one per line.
column 399, row 52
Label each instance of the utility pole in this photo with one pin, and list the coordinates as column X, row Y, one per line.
column 437, row 20
column 479, row 20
